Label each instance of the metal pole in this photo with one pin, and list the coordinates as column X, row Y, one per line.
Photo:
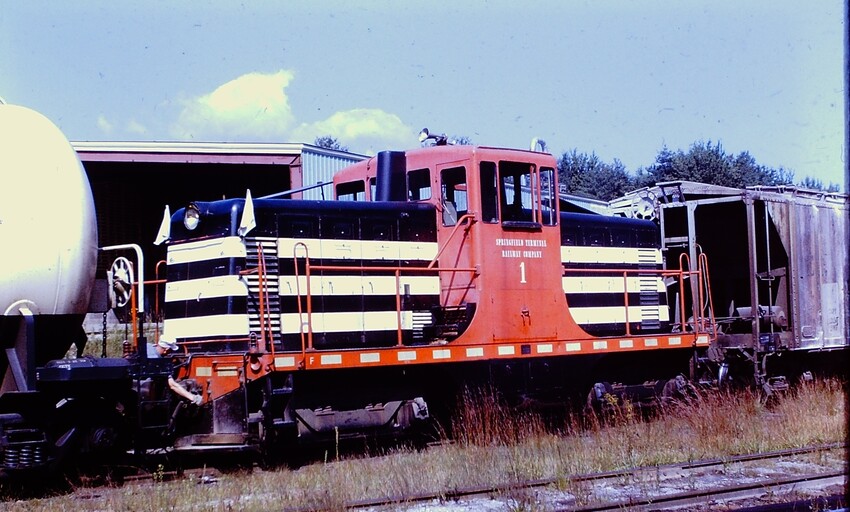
column 754, row 295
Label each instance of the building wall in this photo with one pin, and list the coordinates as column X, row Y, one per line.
column 320, row 166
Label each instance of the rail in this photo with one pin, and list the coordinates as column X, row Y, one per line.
column 309, row 337
column 309, row 268
column 703, row 318
column 266, row 334
column 667, row 480
column 467, row 219
column 700, row 324
column 702, row 264
column 157, row 313
column 320, row 184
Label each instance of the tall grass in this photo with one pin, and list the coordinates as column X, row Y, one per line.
column 494, row 444
column 116, row 335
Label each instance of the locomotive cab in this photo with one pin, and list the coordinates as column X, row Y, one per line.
column 496, row 216
column 503, row 244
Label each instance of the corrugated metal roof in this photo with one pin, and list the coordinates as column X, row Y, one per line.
column 186, row 147
column 188, row 152
column 204, row 152
column 586, row 203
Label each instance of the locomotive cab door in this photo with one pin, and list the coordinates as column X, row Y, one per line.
column 454, row 236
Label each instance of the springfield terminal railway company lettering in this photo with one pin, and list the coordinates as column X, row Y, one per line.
column 516, row 242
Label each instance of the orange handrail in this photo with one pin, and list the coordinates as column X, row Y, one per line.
column 389, row 269
column 463, row 219
column 683, row 258
column 626, row 300
column 267, row 313
column 133, row 315
column 214, row 340
column 309, row 268
column 699, row 324
column 398, row 306
column 309, row 338
column 703, row 265
column 261, row 274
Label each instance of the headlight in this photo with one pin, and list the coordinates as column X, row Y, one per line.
column 192, row 217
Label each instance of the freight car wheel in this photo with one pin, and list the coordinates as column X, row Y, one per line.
column 91, row 440
column 601, row 401
column 678, row 390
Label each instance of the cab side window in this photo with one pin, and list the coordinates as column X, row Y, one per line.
column 489, row 193
column 419, row 185
column 548, row 197
column 351, row 191
column 454, row 200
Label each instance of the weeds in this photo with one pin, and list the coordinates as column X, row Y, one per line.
column 495, row 445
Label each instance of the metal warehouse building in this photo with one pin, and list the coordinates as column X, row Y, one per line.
column 133, row 181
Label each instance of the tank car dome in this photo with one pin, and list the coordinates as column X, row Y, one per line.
column 48, row 232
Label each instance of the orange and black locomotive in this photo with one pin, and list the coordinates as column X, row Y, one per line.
column 432, row 270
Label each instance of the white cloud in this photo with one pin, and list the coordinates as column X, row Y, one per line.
column 255, row 108
column 362, row 130
column 104, row 124
column 252, row 107
column 136, row 127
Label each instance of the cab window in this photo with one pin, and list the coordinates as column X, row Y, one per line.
column 419, row 185
column 515, row 191
column 548, row 197
column 527, row 196
column 454, row 200
column 489, row 192
column 351, row 191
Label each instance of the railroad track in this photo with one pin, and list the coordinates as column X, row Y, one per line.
column 647, row 488
column 715, row 495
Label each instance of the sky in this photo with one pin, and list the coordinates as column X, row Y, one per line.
column 621, row 79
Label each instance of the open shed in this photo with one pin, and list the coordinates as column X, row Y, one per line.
column 132, row 182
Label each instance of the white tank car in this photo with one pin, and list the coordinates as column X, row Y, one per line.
column 48, row 233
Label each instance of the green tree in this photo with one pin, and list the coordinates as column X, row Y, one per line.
column 708, row 163
column 460, row 140
column 588, row 176
column 329, row 142
column 816, row 184
column 612, row 181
